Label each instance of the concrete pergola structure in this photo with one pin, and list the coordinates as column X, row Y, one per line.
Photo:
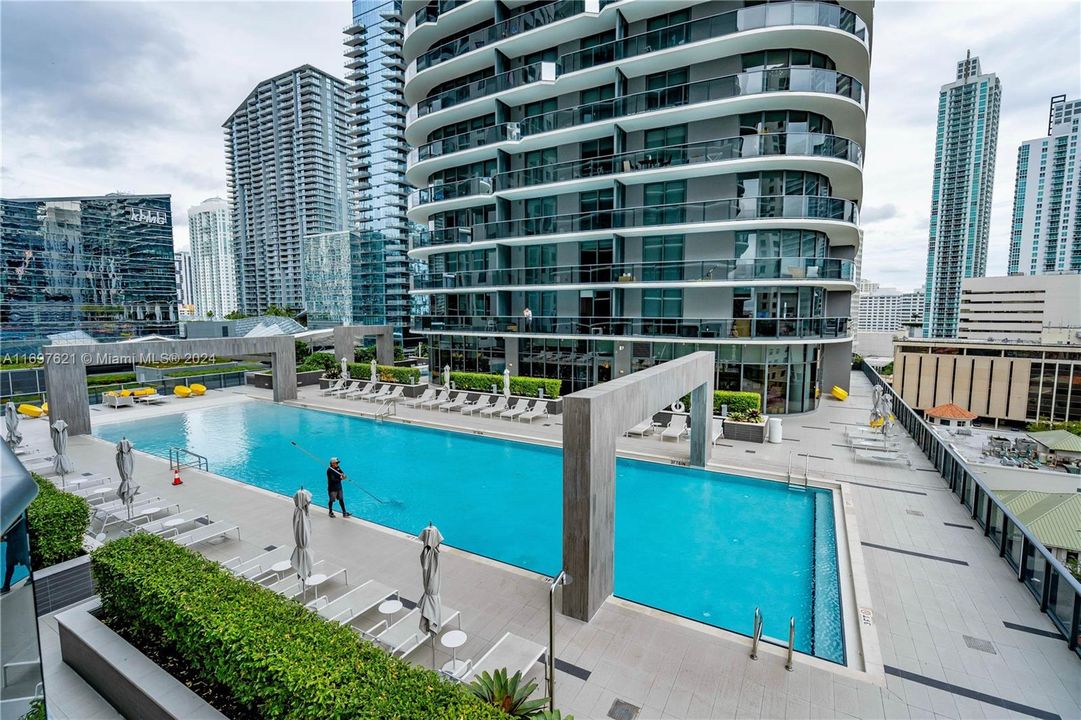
column 346, row 338
column 592, row 421
column 65, row 367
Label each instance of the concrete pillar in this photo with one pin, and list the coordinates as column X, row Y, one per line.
column 701, row 422
column 384, row 346
column 65, row 382
column 622, row 360
column 510, row 354
column 283, row 360
column 836, row 365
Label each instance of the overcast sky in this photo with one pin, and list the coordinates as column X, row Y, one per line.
column 99, row 97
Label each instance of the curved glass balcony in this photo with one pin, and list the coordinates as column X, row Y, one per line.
column 709, row 211
column 451, row 191
column 683, row 328
column 708, row 151
column 774, row 14
column 464, row 141
column 431, row 11
column 488, row 86
column 531, row 20
column 721, row 270
column 755, row 82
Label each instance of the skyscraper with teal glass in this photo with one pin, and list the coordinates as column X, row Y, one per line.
column 968, row 112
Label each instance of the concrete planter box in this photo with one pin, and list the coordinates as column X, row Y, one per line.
column 63, row 584
column 127, row 679
column 265, row 381
column 745, row 432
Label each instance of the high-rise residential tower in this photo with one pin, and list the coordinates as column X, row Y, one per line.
column 211, row 234
column 185, row 281
column 605, row 186
column 285, row 148
column 377, row 155
column 1046, row 232
column 967, row 136
column 886, row 309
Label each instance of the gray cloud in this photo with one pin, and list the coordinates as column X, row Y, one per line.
column 94, row 154
column 877, row 213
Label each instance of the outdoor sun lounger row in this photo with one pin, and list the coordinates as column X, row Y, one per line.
column 203, row 533
column 345, row 389
column 260, row 564
column 423, row 397
column 354, row 603
column 139, row 512
column 512, row 652
column 479, row 404
column 405, row 636
column 291, row 585
column 173, row 523
column 334, row 387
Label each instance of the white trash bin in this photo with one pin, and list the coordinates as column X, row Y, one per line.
column 774, row 430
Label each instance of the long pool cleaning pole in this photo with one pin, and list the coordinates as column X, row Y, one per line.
column 318, row 459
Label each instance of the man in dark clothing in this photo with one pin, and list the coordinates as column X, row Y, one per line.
column 335, row 475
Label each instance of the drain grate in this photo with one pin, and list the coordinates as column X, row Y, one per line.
column 982, row 645
column 917, row 513
column 623, row 710
column 268, row 548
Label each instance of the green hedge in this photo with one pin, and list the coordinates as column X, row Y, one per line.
column 523, row 386
column 240, row 367
column 386, row 373
column 272, row 654
column 57, row 523
column 110, row 379
column 736, row 400
column 318, row 361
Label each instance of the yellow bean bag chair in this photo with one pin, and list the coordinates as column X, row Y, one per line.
column 197, row 389
column 182, row 391
column 110, row 393
column 125, row 393
column 141, row 392
column 45, row 408
column 30, row 410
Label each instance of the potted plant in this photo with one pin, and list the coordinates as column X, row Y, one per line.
column 748, row 426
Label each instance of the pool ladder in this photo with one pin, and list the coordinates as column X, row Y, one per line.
column 795, row 483
column 389, row 408
column 197, row 461
column 756, row 638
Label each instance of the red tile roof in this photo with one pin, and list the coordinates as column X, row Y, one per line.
column 949, row 411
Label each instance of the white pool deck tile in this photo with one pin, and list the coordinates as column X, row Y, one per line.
column 670, row 667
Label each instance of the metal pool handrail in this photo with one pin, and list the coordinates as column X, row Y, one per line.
column 791, row 642
column 756, row 637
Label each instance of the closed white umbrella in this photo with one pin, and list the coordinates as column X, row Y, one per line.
column 61, row 463
column 375, row 372
column 345, row 369
column 431, row 605
column 11, row 418
column 125, row 465
column 301, row 559
column 506, row 383
column 446, row 376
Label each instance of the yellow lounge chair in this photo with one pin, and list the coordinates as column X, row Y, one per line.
column 45, row 408
column 182, row 391
column 125, row 393
column 30, row 410
column 197, row 389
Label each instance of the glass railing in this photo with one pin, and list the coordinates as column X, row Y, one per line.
column 487, row 86
column 463, row 141
column 538, row 17
column 773, row 14
column 689, row 328
column 733, row 148
column 709, row 211
column 451, row 191
column 725, row 269
column 1054, row 587
column 749, row 83
column 431, row 11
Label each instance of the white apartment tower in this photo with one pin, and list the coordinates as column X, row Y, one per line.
column 886, row 309
column 184, row 281
column 211, row 235
column 1046, row 232
column 648, row 179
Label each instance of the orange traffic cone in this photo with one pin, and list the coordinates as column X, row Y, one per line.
column 176, row 477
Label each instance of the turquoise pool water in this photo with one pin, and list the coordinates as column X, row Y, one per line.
column 703, row 545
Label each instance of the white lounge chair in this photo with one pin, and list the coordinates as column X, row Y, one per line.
column 173, row 523
column 357, row 392
column 383, row 392
column 354, row 603
column 519, row 407
column 348, row 388
column 117, row 400
column 539, row 409
column 479, row 404
column 717, row 431
column 395, row 395
column 404, row 636
column 457, row 402
column 677, row 428
column 423, row 397
column 443, row 397
column 139, row 512
column 641, row 429
column 152, row 399
column 204, row 533
column 334, row 387
column 263, row 559
column 512, row 652
column 498, row 406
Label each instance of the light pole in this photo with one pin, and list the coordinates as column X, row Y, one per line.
column 561, row 579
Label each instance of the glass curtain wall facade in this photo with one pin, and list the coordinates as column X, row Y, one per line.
column 646, row 180
column 100, row 265
column 285, row 148
column 965, row 144
column 328, row 261
column 377, row 155
column 211, row 234
column 1046, row 232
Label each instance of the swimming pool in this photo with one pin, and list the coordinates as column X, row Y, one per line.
column 700, row 544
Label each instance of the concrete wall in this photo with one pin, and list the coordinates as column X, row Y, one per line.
column 347, row 337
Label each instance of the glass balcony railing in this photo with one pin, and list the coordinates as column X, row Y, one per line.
column 530, row 20
column 755, row 82
column 733, row 148
column 451, row 191
column 687, row 328
column 774, row 14
column 463, row 141
column 431, row 11
column 487, row 86
column 709, row 211
column 720, row 270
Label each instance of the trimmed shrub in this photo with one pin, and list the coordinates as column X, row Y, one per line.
column 110, row 379
column 386, row 373
column 274, row 655
column 736, row 400
column 319, row 361
column 524, row 386
column 57, row 522
column 240, row 367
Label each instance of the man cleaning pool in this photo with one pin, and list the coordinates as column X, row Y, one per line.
column 335, row 475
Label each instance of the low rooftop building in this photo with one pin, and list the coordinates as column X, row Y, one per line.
column 1055, row 518
column 950, row 415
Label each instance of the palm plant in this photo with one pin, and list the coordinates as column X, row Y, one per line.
column 508, row 694
column 552, row 715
